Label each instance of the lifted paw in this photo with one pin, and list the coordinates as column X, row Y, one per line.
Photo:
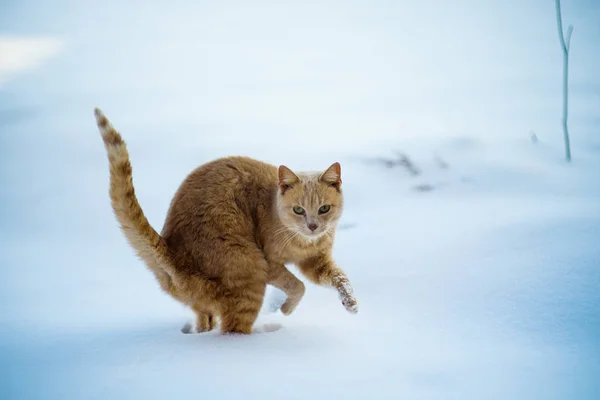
column 346, row 293
column 351, row 304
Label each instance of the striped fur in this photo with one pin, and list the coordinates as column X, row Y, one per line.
column 147, row 243
column 229, row 232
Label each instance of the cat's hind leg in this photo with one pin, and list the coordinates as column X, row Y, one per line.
column 243, row 274
column 241, row 307
column 206, row 321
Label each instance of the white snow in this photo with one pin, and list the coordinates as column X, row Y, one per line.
column 20, row 54
column 477, row 279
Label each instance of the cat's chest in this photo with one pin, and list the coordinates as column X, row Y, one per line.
column 295, row 253
column 292, row 252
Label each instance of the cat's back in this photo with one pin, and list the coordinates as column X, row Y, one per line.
column 223, row 194
column 228, row 175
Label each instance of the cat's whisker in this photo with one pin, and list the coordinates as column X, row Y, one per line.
column 285, row 232
column 281, row 229
column 282, row 235
column 293, row 235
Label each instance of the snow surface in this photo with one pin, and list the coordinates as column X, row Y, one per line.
column 477, row 279
column 24, row 54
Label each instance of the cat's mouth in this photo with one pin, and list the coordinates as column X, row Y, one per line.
column 312, row 235
column 309, row 235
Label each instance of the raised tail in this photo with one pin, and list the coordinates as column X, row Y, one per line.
column 148, row 244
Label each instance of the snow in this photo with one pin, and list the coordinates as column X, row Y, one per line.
column 24, row 54
column 479, row 280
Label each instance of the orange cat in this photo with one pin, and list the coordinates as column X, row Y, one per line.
column 232, row 225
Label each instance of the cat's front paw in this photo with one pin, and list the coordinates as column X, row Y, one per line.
column 289, row 306
column 342, row 284
column 351, row 304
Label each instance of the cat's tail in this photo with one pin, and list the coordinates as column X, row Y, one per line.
column 148, row 244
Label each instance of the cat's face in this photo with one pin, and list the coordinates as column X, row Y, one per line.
column 310, row 203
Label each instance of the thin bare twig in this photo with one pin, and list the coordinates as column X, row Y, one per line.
column 565, row 48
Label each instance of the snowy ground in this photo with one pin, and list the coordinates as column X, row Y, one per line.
column 485, row 287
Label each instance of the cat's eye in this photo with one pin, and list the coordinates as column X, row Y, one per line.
column 324, row 209
column 298, row 210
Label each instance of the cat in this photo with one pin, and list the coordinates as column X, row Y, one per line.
column 231, row 227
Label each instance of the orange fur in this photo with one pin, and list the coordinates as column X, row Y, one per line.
column 231, row 227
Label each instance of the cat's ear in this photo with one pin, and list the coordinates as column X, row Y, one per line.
column 332, row 175
column 287, row 178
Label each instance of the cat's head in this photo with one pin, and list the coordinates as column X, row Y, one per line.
column 310, row 203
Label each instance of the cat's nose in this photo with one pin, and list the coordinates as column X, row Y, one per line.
column 312, row 226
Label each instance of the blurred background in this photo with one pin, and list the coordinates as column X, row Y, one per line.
column 430, row 106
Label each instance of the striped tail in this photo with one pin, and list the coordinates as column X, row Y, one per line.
column 148, row 244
